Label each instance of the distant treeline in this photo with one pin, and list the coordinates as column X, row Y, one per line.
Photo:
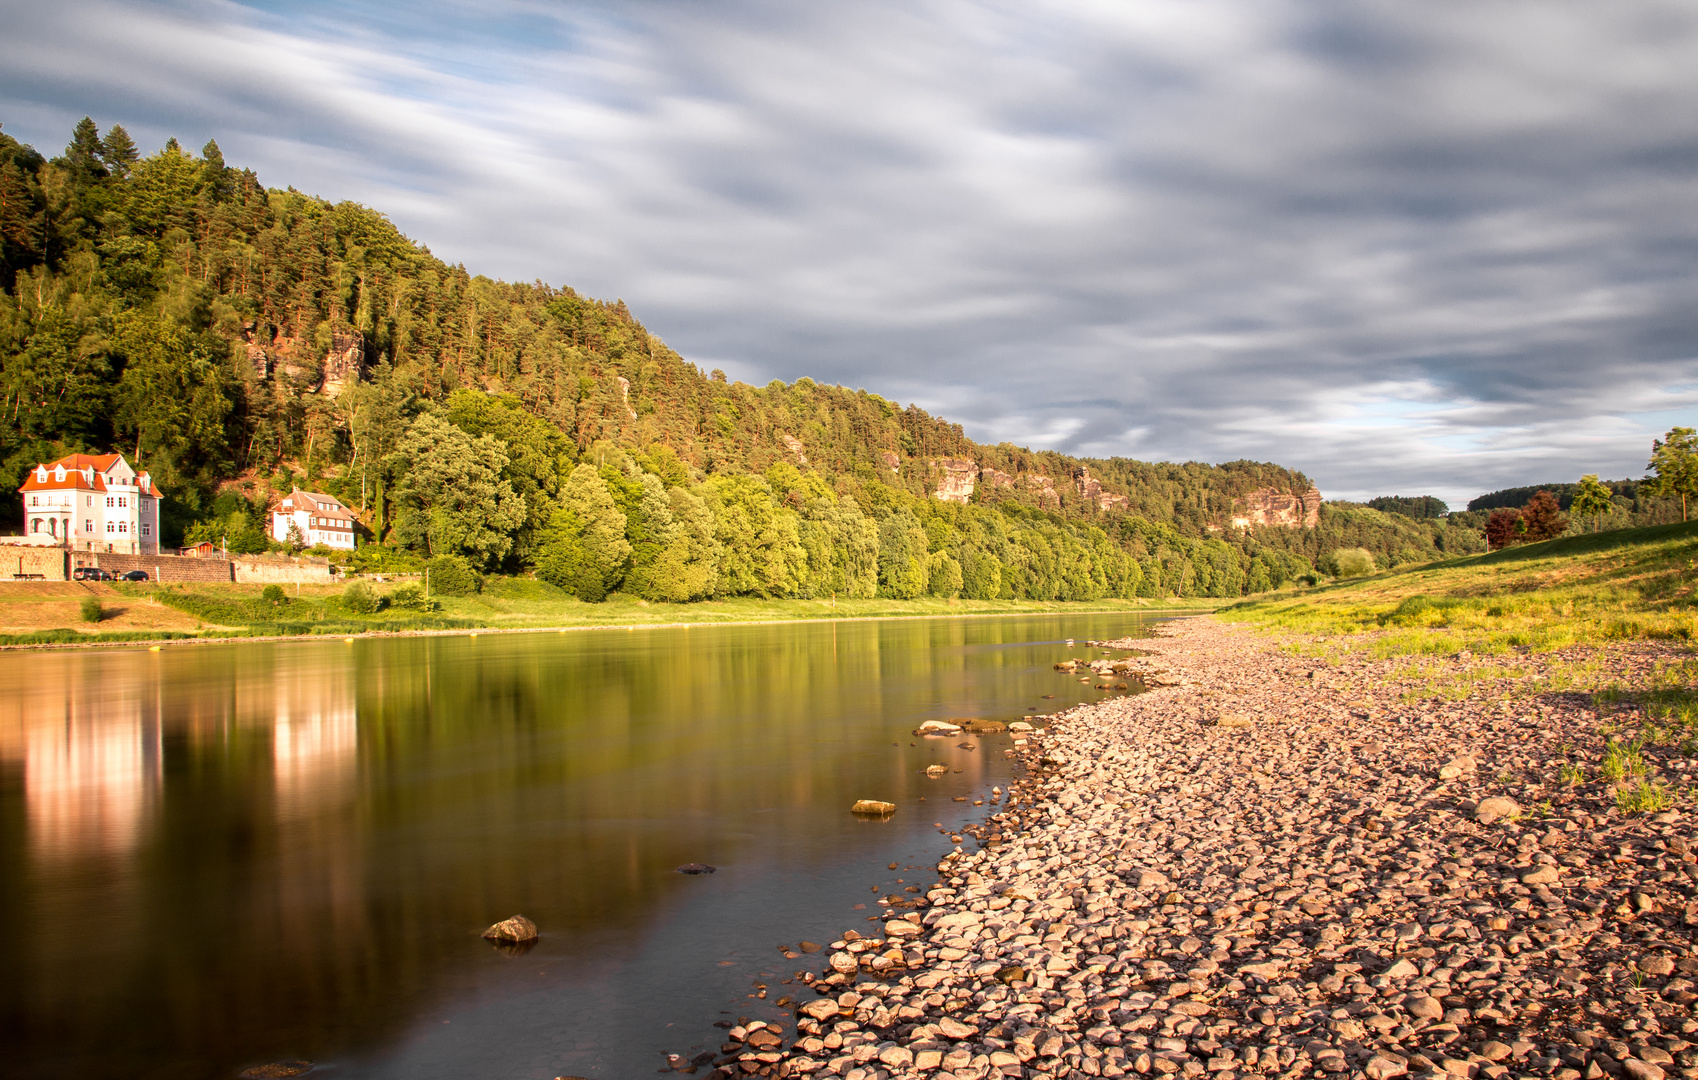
column 236, row 340
column 1634, row 506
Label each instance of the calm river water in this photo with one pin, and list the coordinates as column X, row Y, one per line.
column 219, row 856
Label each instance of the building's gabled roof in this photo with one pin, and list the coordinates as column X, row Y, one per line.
column 77, row 468
column 313, row 503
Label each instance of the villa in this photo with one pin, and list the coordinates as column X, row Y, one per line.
column 313, row 519
column 91, row 502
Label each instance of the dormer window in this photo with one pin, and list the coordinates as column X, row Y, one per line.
column 59, row 474
column 41, row 474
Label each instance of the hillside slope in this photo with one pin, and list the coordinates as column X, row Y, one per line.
column 237, row 339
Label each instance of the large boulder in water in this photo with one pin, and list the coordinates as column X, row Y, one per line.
column 873, row 808
column 516, row 929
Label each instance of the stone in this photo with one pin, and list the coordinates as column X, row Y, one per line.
column 1495, row 808
column 951, row 1028
column 1457, row 766
column 938, row 727
column 844, row 963
column 1546, row 874
column 1656, row 965
column 902, row 928
column 935, row 771
column 1402, row 969
column 1634, row 1069
column 517, row 929
column 1424, row 1007
column 1493, row 1050
column 896, row 1057
column 872, row 808
column 926, row 1060
column 820, row 1009
column 697, row 868
column 1384, row 1067
column 277, row 1070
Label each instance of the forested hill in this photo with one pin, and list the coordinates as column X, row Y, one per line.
column 235, row 339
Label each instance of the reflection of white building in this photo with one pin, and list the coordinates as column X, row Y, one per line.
column 313, row 740
column 91, row 503
column 91, row 757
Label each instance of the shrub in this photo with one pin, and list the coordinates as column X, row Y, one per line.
column 1347, row 563
column 273, row 594
column 452, row 575
column 359, row 598
column 412, row 598
column 91, row 609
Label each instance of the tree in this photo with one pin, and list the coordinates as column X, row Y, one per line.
column 584, row 550
column 1674, row 460
column 453, row 500
column 902, row 556
column 1503, row 528
column 1541, row 519
column 1591, row 499
column 118, row 151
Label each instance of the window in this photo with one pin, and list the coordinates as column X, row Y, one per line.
column 123, row 526
column 122, row 501
column 35, row 526
column 88, row 525
column 35, row 500
column 109, row 501
column 110, row 528
column 146, row 530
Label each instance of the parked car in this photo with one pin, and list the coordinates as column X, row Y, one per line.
column 91, row 573
column 134, row 575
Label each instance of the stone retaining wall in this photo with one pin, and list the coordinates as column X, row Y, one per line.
column 18, row 561
column 158, row 567
column 280, row 571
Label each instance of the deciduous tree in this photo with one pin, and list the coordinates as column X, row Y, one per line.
column 1674, row 464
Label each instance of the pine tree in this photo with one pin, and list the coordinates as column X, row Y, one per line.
column 118, row 152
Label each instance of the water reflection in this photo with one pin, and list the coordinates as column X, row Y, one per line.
column 289, row 850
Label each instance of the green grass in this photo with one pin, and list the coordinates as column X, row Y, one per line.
column 1629, row 584
column 244, row 611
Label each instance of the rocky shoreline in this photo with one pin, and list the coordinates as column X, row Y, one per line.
column 1278, row 866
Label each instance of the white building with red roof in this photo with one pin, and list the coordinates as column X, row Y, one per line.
column 315, row 519
column 91, row 502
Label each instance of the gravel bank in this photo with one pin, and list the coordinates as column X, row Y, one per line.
column 1275, row 868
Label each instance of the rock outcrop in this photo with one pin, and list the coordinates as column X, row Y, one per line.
column 345, row 363
column 1269, row 506
column 794, row 445
column 955, row 478
column 1091, row 490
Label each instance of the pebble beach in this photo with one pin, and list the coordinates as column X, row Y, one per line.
column 1272, row 865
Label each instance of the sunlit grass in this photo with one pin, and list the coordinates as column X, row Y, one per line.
column 1632, row 584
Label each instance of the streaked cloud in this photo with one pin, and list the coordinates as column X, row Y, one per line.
column 1406, row 248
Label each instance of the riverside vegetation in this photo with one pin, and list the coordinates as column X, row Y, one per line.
column 1434, row 823
column 237, row 340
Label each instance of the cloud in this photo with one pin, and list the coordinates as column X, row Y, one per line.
column 1436, row 248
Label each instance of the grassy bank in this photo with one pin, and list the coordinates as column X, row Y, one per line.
column 244, row 611
column 1631, row 584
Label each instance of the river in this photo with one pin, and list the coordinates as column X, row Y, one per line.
column 217, row 856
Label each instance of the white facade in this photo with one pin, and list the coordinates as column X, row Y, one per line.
column 316, row 519
column 91, row 503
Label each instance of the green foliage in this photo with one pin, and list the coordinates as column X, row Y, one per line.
column 1347, row 563
column 1541, row 520
column 1591, row 498
column 453, row 500
column 1674, row 463
column 1643, row 798
column 452, row 575
column 412, row 598
column 361, row 599
column 1420, row 507
column 91, row 610
column 584, row 550
column 273, row 594
column 173, row 307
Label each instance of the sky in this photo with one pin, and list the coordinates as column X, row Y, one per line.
column 1436, row 248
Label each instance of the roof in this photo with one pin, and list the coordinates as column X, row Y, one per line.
column 76, row 466
column 323, row 505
